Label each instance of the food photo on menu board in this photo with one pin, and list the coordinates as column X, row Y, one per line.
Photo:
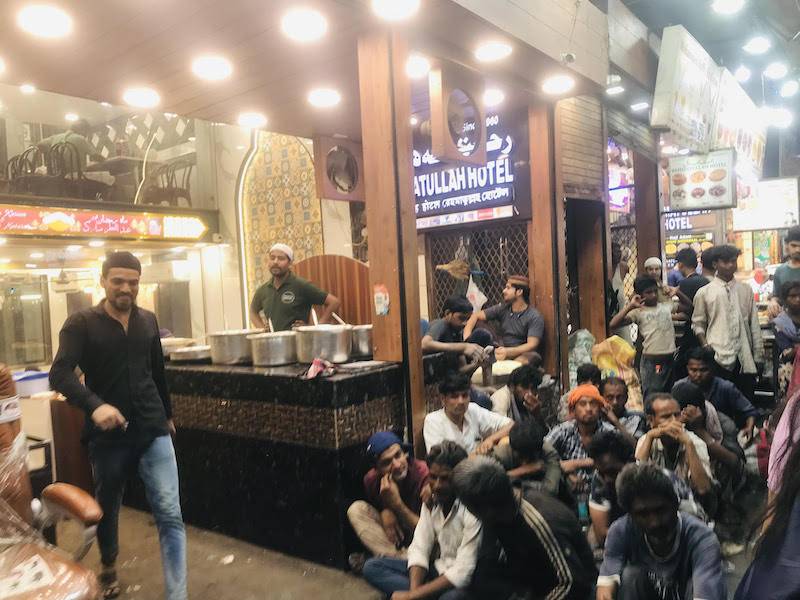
column 703, row 181
column 773, row 204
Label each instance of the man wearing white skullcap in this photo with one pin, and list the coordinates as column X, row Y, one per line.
column 286, row 299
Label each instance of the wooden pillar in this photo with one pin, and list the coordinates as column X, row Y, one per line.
column 589, row 233
column 648, row 219
column 547, row 261
column 385, row 94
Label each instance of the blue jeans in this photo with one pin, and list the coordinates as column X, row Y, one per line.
column 390, row 575
column 112, row 464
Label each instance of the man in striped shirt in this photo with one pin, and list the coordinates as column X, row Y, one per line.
column 546, row 554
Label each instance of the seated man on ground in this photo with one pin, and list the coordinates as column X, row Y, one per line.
column 447, row 335
column 723, row 394
column 474, row 428
column 571, row 438
column 656, row 552
column 546, row 553
column 669, row 445
column 519, row 398
column 521, row 326
column 446, row 544
column 631, row 424
column 530, row 462
column 585, row 373
column 610, row 454
column 385, row 522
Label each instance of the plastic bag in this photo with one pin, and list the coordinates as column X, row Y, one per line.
column 614, row 357
column 31, row 569
column 15, row 485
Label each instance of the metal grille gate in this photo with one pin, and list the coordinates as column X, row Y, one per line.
column 493, row 253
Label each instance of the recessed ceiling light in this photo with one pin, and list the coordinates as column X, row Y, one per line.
column 777, row 116
column 493, row 97
column 558, row 84
column 30, row 266
column 757, row 45
column 71, row 117
column 304, row 24
column 790, row 88
column 252, row 120
column 240, row 147
column 73, row 248
column 97, row 243
column 640, row 106
column 324, row 97
column 395, row 10
column 44, row 21
column 37, row 255
column 684, row 151
column 178, row 249
column 417, row 66
column 742, row 74
column 615, row 90
column 192, row 138
column 492, row 51
column 727, row 7
column 413, row 120
column 776, row 70
column 105, row 104
column 27, row 88
column 141, row 97
column 212, row 67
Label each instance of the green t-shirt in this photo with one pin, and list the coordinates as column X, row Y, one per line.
column 783, row 274
column 291, row 302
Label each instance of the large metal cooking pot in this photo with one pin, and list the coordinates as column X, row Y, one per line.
column 274, row 349
column 330, row 342
column 362, row 340
column 231, row 347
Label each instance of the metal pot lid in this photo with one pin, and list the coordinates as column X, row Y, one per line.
column 271, row 335
column 191, row 352
column 234, row 332
column 326, row 327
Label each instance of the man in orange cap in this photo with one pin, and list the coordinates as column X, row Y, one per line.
column 571, row 438
column 521, row 326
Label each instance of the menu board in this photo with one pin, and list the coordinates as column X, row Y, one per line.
column 677, row 242
column 774, row 204
column 702, row 181
column 686, row 91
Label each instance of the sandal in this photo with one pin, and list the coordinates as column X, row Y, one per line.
column 110, row 584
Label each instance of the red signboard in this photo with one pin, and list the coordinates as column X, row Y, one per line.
column 32, row 220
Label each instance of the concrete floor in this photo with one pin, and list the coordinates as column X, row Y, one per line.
column 223, row 568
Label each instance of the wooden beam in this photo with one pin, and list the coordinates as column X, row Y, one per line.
column 590, row 244
column 385, row 94
column 648, row 219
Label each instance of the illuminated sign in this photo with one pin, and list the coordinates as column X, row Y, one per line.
column 470, row 216
column 442, row 189
column 33, row 220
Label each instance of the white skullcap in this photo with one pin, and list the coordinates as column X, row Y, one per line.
column 653, row 261
column 283, row 248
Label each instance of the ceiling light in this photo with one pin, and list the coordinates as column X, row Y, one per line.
column 30, row 266
column 96, row 243
column 395, row 10
column 27, row 88
column 5, row 261
column 304, row 24
column 178, row 249
column 141, row 97
column 71, row 117
column 192, row 138
column 639, row 106
column 105, row 104
column 776, row 70
column 558, row 84
column 684, row 151
column 727, row 7
column 45, row 21
column 417, row 66
column 492, row 51
column 212, row 67
column 252, row 120
column 790, row 88
column 613, row 79
column 240, row 148
column 493, row 97
column 324, row 97
column 413, row 120
column 138, row 254
column 37, row 255
column 615, row 90
column 757, row 45
column 776, row 116
column 742, row 74
column 73, row 248
column 669, row 150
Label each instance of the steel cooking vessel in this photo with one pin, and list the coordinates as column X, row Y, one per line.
column 274, row 349
column 191, row 354
column 231, row 347
column 330, row 342
column 362, row 340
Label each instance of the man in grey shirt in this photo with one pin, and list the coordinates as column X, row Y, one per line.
column 521, row 326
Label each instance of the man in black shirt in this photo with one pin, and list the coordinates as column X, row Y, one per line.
column 687, row 264
column 129, row 415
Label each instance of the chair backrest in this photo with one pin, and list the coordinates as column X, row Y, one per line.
column 64, row 161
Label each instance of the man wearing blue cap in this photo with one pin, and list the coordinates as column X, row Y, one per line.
column 385, row 522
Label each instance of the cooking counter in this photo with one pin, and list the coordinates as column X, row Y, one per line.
column 275, row 460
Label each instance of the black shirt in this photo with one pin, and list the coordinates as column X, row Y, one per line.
column 691, row 284
column 124, row 370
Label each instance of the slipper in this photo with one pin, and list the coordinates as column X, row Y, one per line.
column 110, row 584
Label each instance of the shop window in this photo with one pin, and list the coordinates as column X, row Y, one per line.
column 24, row 321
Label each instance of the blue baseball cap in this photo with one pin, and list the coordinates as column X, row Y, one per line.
column 381, row 441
